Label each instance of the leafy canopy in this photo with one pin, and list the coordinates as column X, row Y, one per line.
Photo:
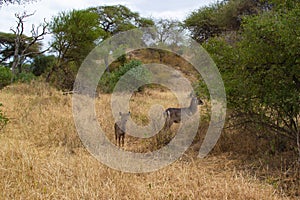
column 261, row 70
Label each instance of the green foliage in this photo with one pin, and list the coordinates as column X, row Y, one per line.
column 25, row 77
column 283, row 4
column 74, row 34
column 115, row 19
column 41, row 64
column 261, row 71
column 3, row 119
column 120, row 51
column 77, row 32
column 203, row 23
column 222, row 17
column 135, row 75
column 5, row 76
column 63, row 77
column 7, row 41
column 270, row 56
column 118, row 18
column 7, row 46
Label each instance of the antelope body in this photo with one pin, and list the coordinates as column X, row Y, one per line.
column 120, row 128
column 173, row 115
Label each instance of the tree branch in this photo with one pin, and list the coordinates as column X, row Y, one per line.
column 23, row 43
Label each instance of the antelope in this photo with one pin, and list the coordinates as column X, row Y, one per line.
column 173, row 115
column 120, row 128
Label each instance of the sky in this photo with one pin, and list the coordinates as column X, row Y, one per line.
column 46, row 9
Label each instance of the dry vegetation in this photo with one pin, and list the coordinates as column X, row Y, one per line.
column 43, row 158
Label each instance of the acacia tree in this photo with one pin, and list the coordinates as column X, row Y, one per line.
column 115, row 19
column 222, row 17
column 74, row 35
column 203, row 23
column 77, row 32
column 7, row 47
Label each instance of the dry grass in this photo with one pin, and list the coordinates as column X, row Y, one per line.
column 42, row 157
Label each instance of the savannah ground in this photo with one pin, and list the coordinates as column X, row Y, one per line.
column 42, row 156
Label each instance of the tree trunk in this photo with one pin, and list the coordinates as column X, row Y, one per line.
column 16, row 60
column 298, row 164
column 22, row 45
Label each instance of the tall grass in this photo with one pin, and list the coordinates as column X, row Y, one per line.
column 41, row 156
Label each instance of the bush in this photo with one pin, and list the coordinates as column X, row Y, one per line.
column 5, row 76
column 41, row 64
column 25, row 77
column 136, row 75
column 261, row 74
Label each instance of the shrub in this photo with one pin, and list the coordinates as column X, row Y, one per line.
column 5, row 76
column 135, row 75
column 41, row 64
column 25, row 77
